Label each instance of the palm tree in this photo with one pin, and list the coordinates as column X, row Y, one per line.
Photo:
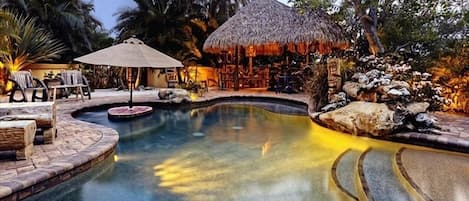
column 6, row 32
column 161, row 24
column 26, row 43
column 70, row 21
column 177, row 27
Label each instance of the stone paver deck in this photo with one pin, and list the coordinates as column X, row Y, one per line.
column 79, row 142
column 447, row 179
column 454, row 134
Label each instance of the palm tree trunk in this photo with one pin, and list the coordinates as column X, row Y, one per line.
column 138, row 79
column 178, row 71
column 121, row 78
column 369, row 23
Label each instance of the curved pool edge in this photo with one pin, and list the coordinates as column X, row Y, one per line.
column 60, row 170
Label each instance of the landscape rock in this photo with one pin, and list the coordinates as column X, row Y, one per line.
column 426, row 76
column 174, row 95
column 383, row 90
column 373, row 74
column 386, row 101
column 340, row 97
column 423, row 120
column 417, row 107
column 315, row 115
column 410, row 126
column 399, row 92
column 362, row 118
column 332, row 106
column 400, row 84
column 368, row 96
column 363, row 79
column 385, row 81
column 356, row 76
column 394, row 92
column 351, row 89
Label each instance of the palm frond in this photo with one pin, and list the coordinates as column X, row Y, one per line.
column 32, row 44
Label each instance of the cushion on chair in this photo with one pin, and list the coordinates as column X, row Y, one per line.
column 23, row 78
column 72, row 77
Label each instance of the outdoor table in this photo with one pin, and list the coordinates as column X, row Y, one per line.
column 77, row 86
column 54, row 81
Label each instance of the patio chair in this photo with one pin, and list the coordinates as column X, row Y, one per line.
column 73, row 78
column 24, row 81
column 171, row 79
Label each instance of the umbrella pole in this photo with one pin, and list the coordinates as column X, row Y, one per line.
column 131, row 89
column 130, row 101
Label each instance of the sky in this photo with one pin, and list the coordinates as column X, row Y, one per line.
column 104, row 10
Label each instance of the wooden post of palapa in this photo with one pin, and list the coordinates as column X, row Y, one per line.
column 236, row 73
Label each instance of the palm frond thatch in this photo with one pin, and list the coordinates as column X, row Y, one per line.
column 269, row 25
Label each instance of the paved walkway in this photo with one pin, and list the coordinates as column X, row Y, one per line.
column 79, row 141
column 454, row 134
column 447, row 179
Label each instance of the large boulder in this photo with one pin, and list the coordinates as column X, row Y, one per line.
column 174, row 95
column 362, row 118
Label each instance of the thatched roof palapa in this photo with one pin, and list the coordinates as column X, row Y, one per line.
column 269, row 25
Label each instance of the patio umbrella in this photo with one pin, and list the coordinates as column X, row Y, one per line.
column 132, row 53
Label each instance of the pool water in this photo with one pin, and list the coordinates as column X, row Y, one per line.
column 220, row 152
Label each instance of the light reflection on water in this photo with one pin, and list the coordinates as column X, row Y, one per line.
column 247, row 153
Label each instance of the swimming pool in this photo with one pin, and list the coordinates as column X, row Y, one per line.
column 235, row 151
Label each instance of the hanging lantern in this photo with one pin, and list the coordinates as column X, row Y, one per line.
column 250, row 51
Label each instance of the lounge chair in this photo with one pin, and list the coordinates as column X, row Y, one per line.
column 24, row 81
column 74, row 77
column 18, row 136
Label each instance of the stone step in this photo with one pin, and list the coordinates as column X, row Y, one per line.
column 343, row 173
column 378, row 179
column 406, row 180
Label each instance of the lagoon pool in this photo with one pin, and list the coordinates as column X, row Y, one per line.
column 235, row 151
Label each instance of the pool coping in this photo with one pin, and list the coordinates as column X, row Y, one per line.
column 60, row 170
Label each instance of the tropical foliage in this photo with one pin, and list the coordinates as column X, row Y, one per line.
column 25, row 43
column 451, row 71
column 434, row 35
column 421, row 28
column 176, row 27
column 69, row 21
column 28, row 43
